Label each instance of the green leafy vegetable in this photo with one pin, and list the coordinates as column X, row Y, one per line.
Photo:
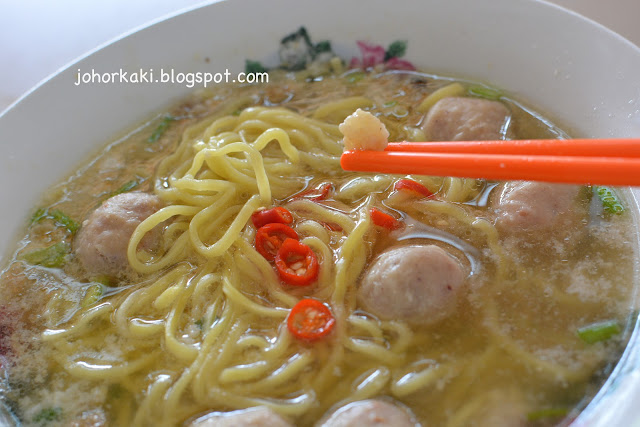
column 48, row 414
column 253, row 67
column 610, row 202
column 485, row 92
column 39, row 215
column 103, row 280
column 127, row 186
column 600, row 331
column 547, row 413
column 53, row 256
column 58, row 216
column 92, row 295
column 161, row 128
column 396, row 49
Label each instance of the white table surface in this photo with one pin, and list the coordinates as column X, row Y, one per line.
column 37, row 37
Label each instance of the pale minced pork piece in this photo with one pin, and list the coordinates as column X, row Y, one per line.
column 370, row 413
column 260, row 416
column 101, row 244
column 419, row 284
column 364, row 131
column 466, row 119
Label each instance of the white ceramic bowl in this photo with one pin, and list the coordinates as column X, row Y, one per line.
column 574, row 70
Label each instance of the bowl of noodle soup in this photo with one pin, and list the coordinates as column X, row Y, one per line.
column 138, row 292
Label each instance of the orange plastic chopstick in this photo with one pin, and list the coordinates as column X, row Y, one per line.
column 622, row 147
column 582, row 161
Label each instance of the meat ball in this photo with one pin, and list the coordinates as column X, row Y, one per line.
column 420, row 284
column 101, row 243
column 466, row 119
column 370, row 413
column 260, row 416
column 535, row 206
column 364, row 131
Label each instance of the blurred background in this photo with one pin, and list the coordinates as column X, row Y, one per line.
column 38, row 37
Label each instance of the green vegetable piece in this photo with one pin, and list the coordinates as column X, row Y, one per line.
column 200, row 323
column 610, row 201
column 236, row 113
column 103, row 280
column 253, row 67
column 547, row 413
column 39, row 215
column 64, row 220
column 92, row 295
column 323, row 46
column 58, row 216
column 389, row 104
column 396, row 49
column 48, row 414
column 127, row 186
column 162, row 128
column 600, row 331
column 53, row 256
column 485, row 92
column 355, row 77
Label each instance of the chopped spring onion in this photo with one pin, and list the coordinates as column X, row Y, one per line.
column 610, row 202
column 542, row 414
column 48, row 414
column 485, row 92
column 127, row 186
column 399, row 111
column 52, row 256
column 389, row 104
column 161, row 129
column 600, row 331
column 93, row 294
column 58, row 216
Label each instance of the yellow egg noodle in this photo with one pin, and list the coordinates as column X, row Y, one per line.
column 193, row 336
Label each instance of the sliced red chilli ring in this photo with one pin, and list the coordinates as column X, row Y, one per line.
column 296, row 263
column 274, row 215
column 269, row 239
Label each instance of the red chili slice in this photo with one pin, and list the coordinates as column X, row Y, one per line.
column 296, row 263
column 411, row 185
column 269, row 239
column 274, row 215
column 383, row 219
column 310, row 320
column 315, row 194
